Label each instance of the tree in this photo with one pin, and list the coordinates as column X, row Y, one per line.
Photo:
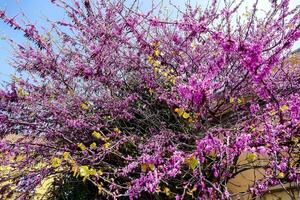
column 146, row 106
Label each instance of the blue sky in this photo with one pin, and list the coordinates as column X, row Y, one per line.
column 37, row 11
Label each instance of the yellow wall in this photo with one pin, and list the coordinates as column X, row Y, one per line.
column 240, row 184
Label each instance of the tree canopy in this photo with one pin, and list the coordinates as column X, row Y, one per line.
column 142, row 105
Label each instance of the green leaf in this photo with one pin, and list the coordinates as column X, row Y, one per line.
column 192, row 162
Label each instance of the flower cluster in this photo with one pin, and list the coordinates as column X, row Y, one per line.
column 137, row 105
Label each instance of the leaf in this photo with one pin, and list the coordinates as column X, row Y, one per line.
column 185, row 115
column 106, row 145
column 81, row 146
column 84, row 172
column 100, row 188
column 74, row 167
column 20, row 158
column 158, row 190
column 96, row 135
column 150, row 60
column 284, row 108
column 281, row 175
column 93, row 145
column 117, row 130
column 152, row 167
column 191, row 192
column 144, row 167
column 92, row 172
column 156, row 53
column 100, row 172
column 192, row 162
column 56, row 162
column 295, row 140
column 251, row 157
column 252, row 127
column 156, row 63
column 42, row 189
column 191, row 120
column 66, row 155
column 84, row 106
column 272, row 113
column 179, row 111
column 167, row 191
column 239, row 101
column 20, row 92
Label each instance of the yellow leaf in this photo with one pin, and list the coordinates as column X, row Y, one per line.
column 156, row 63
column 165, row 74
column 152, row 167
column 144, row 167
column 231, row 100
column 295, row 140
column 84, row 171
column 185, row 115
column 192, row 162
column 239, row 101
column 251, row 157
column 158, row 190
column 96, row 135
column 151, row 91
column 74, row 168
column 5, row 169
column 252, row 127
column 167, row 191
column 56, row 162
column 39, row 165
column 173, row 80
column 191, row 120
column 284, row 108
column 99, row 172
column 179, row 111
column 93, row 145
column 100, row 188
column 81, row 146
column 191, row 192
column 20, row 92
column 106, row 145
column 84, row 106
column 281, row 175
column 66, row 155
column 20, row 158
column 92, row 172
column 42, row 189
column 150, row 60
column 156, row 53
column 117, row 130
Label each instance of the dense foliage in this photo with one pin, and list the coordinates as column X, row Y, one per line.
column 139, row 104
